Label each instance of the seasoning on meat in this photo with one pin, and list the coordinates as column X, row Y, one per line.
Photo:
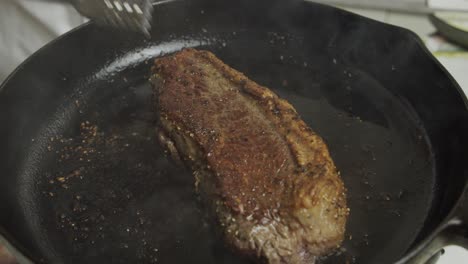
column 268, row 178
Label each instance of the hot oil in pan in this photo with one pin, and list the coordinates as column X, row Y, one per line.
column 381, row 153
column 116, row 198
column 375, row 138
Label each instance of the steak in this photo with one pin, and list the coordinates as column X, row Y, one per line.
column 265, row 175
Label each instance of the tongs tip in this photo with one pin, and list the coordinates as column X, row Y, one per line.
column 133, row 15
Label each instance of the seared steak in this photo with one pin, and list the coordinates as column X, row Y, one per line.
column 268, row 178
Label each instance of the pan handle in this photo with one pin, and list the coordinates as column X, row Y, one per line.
column 454, row 235
column 455, row 232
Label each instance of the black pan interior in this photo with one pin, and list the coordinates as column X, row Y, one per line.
column 84, row 181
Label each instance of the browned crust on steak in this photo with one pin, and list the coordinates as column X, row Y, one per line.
column 260, row 163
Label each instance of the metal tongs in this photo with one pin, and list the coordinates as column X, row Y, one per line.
column 134, row 15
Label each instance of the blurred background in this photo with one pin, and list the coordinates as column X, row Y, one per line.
column 27, row 25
